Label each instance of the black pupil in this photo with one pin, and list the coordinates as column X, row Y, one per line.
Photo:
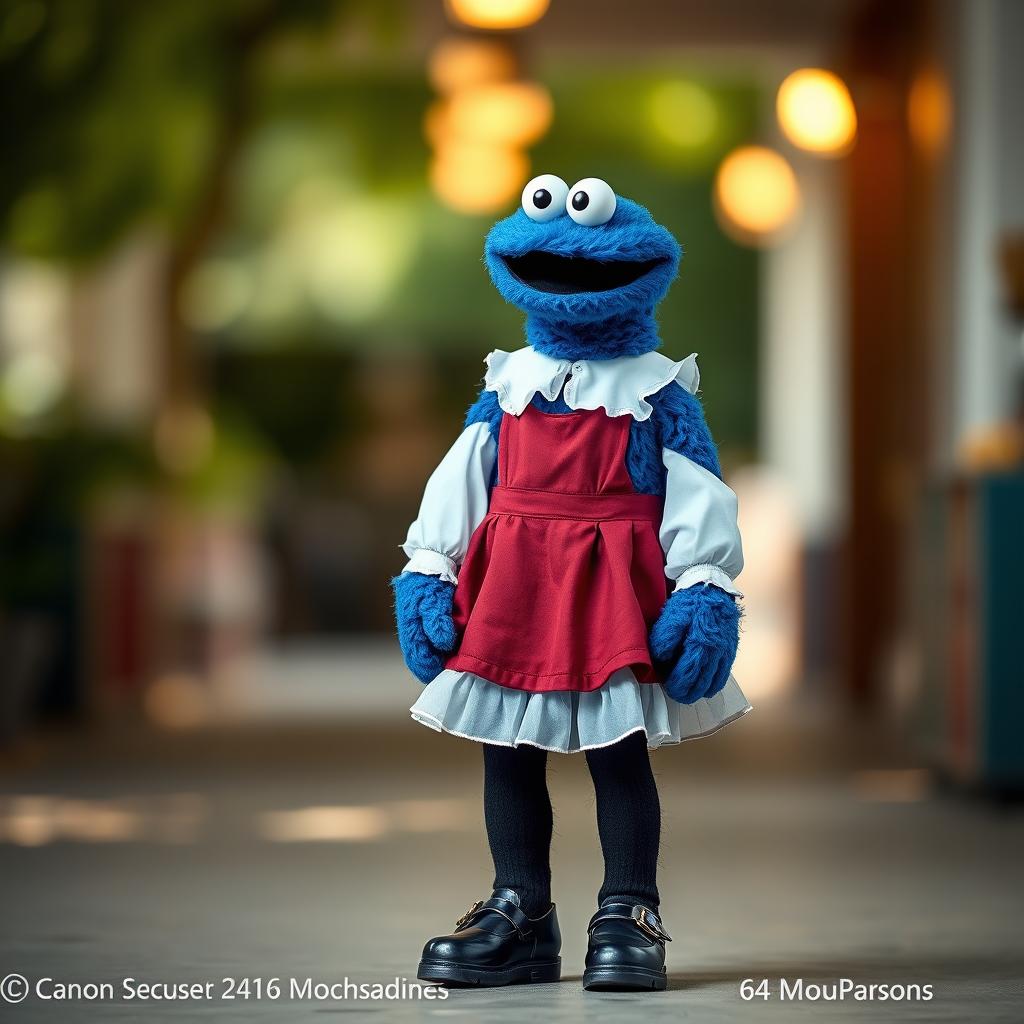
column 580, row 201
column 542, row 199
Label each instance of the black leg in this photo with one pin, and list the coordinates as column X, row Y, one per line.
column 628, row 819
column 517, row 810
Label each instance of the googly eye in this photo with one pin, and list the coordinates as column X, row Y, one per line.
column 544, row 197
column 591, row 202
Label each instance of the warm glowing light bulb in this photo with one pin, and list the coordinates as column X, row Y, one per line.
column 816, row 113
column 510, row 113
column 462, row 63
column 756, row 194
column 497, row 14
column 478, row 178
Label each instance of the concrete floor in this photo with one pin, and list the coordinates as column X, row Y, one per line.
column 793, row 850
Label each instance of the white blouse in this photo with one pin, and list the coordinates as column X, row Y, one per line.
column 454, row 504
column 698, row 532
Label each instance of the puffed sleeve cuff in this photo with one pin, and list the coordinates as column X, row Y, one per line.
column 696, row 575
column 431, row 563
column 699, row 533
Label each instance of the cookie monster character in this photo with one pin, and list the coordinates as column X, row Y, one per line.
column 570, row 581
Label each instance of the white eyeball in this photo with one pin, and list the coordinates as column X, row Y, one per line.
column 544, row 197
column 591, row 202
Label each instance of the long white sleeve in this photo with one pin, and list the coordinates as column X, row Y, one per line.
column 698, row 533
column 455, row 501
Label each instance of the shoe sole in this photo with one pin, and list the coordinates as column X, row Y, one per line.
column 447, row 972
column 624, row 979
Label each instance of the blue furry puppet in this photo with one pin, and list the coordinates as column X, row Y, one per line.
column 570, row 581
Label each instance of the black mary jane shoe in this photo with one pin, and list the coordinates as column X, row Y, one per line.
column 495, row 943
column 627, row 948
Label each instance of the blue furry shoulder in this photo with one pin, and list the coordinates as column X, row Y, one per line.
column 677, row 423
column 486, row 410
column 681, row 427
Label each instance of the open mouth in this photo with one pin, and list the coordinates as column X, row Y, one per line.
column 566, row 275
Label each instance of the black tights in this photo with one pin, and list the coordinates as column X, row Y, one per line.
column 517, row 810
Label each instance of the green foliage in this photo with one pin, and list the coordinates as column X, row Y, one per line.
column 233, row 474
column 301, row 398
column 115, row 106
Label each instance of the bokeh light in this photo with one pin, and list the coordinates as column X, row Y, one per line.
column 462, row 63
column 478, row 178
column 39, row 819
column 756, row 194
column 35, row 349
column 324, row 824
column 684, row 114
column 216, row 294
column 498, row 14
column 436, row 129
column 355, row 253
column 31, row 821
column 816, row 112
column 930, row 111
column 484, row 117
column 513, row 113
column 32, row 383
column 178, row 701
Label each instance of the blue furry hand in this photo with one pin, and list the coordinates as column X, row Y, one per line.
column 426, row 632
column 694, row 641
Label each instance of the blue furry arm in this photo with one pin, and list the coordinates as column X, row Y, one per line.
column 695, row 638
column 423, row 613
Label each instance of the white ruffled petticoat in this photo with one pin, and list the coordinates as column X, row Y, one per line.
column 470, row 706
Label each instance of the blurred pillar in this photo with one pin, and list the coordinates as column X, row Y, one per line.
column 117, row 332
column 116, row 326
column 888, row 357
column 989, row 198
column 802, row 397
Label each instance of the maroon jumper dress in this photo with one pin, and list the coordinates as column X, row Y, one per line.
column 565, row 574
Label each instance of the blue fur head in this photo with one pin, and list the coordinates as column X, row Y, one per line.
column 588, row 292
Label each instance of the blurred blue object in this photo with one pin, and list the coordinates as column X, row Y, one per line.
column 975, row 703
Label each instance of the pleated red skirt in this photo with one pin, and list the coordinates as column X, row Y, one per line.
column 565, row 575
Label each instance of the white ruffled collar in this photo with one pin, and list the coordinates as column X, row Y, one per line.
column 619, row 386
